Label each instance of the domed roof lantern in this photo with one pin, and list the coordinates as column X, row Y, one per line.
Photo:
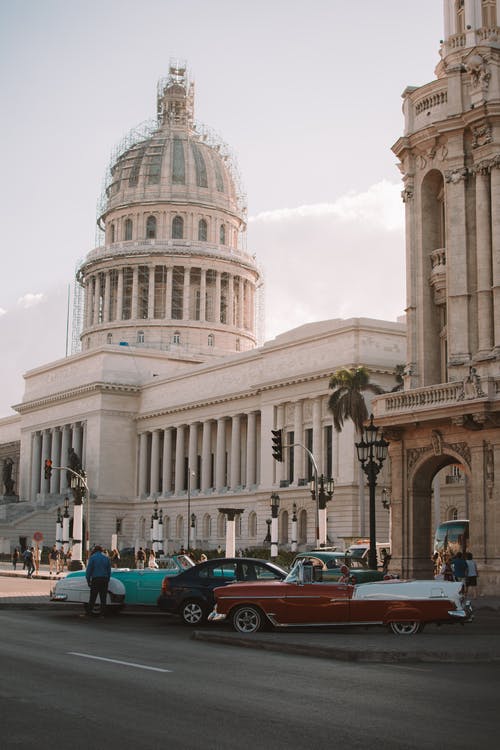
column 175, row 97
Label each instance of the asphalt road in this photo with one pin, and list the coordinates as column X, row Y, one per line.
column 139, row 681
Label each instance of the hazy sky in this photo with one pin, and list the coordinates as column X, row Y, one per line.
column 307, row 94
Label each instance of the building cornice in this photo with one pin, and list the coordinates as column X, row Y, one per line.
column 75, row 393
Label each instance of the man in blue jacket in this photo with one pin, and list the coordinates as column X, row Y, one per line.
column 98, row 573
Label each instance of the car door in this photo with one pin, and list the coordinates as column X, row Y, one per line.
column 315, row 603
column 214, row 574
column 149, row 586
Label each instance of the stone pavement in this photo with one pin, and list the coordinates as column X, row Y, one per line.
column 478, row 641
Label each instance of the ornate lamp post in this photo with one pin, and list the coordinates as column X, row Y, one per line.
column 160, row 532
column 372, row 453
column 192, row 533
column 267, row 538
column 294, row 528
column 65, row 526
column 155, row 539
column 275, row 504
column 59, row 529
column 322, row 490
column 79, row 487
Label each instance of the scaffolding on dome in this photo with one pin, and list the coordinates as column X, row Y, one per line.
column 77, row 315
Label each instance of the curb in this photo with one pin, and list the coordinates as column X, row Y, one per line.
column 346, row 654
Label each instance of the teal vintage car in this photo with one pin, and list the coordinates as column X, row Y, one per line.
column 327, row 565
column 126, row 586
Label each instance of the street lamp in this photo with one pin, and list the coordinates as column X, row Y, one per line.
column 160, row 532
column 189, row 474
column 65, row 526
column 155, row 520
column 275, row 504
column 267, row 538
column 294, row 528
column 192, row 533
column 322, row 491
column 79, row 487
column 372, row 453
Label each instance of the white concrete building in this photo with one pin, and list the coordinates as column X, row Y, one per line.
column 170, row 399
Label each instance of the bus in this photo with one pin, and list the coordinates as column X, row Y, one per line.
column 452, row 537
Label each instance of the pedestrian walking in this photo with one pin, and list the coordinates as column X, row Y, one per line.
column 140, row 559
column 386, row 559
column 446, row 573
column 53, row 560
column 98, row 573
column 115, row 558
column 459, row 566
column 15, row 558
column 152, row 560
column 29, row 558
column 471, row 577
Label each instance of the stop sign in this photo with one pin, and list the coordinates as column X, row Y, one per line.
column 38, row 536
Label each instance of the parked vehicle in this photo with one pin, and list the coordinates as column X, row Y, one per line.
column 362, row 547
column 126, row 586
column 190, row 594
column 327, row 566
column 299, row 601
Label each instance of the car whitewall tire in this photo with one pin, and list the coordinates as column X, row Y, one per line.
column 247, row 619
column 406, row 628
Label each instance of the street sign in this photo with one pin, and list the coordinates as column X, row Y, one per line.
column 38, row 536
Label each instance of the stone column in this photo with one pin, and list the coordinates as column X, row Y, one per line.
column 217, row 297
column 495, row 249
column 143, row 464
column 168, row 294
column 251, row 450
column 154, row 483
column 77, row 441
column 317, row 436
column 231, row 514
column 135, row 292
column 203, row 295
column 483, row 259
column 220, row 454
column 36, row 464
column 167, row 461
column 65, row 446
column 240, row 303
column 151, row 293
column 106, row 312
column 119, row 295
column 186, row 303
column 179, row 459
column 298, row 451
column 97, row 296
column 56, row 461
column 235, row 452
column 193, row 455
column 206, row 456
column 230, row 301
column 456, row 265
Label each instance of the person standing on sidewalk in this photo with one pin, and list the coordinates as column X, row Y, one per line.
column 29, row 559
column 15, row 558
column 98, row 573
column 459, row 566
column 471, row 578
column 54, row 560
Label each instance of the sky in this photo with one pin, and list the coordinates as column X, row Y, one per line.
column 307, row 95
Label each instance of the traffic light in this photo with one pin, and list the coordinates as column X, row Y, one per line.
column 277, row 440
column 48, row 468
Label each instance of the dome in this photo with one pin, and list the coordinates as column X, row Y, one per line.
column 174, row 159
column 173, row 272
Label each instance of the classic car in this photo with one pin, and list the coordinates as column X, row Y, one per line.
column 190, row 594
column 300, row 601
column 126, row 586
column 327, row 566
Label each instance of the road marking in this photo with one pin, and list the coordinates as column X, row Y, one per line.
column 117, row 661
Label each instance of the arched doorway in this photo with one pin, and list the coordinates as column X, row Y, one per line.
column 417, row 522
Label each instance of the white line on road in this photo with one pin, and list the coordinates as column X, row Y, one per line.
column 117, row 661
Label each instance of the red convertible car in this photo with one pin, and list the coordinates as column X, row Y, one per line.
column 299, row 601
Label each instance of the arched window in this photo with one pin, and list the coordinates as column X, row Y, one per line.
column 176, row 338
column 207, row 526
column 151, row 228
column 452, row 514
column 238, row 345
column 140, row 337
column 283, row 527
column 166, row 527
column 222, row 234
column 489, row 13
column 460, row 14
column 109, row 338
column 252, row 525
column 202, row 230
column 178, row 228
column 128, row 229
column 211, row 339
column 179, row 527
column 221, row 525
column 112, row 233
column 302, row 527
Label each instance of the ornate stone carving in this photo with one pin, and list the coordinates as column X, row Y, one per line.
column 463, row 450
column 407, row 194
column 471, row 387
column 413, row 456
column 455, row 175
column 477, row 66
column 489, row 464
column 437, row 442
column 481, row 135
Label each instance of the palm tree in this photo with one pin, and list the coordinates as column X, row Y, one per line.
column 347, row 400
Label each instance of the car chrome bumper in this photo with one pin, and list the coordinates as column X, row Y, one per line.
column 466, row 614
column 58, row 597
column 215, row 616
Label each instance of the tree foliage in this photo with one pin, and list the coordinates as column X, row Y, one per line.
column 347, row 400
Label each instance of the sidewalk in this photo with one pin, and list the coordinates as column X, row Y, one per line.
column 477, row 641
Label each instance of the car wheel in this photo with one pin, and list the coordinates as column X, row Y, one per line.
column 406, row 628
column 193, row 613
column 247, row 619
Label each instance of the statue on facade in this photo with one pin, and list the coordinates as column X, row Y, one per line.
column 74, row 463
column 8, row 482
